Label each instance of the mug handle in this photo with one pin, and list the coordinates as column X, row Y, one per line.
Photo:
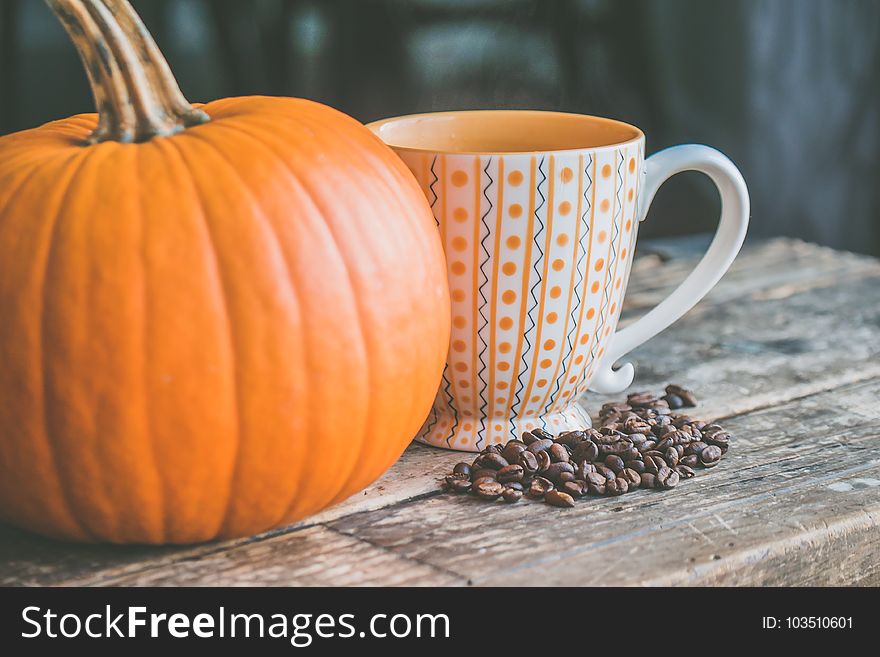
column 723, row 249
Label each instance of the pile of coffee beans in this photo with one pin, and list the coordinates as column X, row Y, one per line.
column 640, row 443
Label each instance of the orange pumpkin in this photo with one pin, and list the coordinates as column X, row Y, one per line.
column 212, row 321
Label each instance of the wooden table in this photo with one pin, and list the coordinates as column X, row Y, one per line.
column 785, row 350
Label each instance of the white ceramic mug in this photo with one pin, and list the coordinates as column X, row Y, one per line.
column 538, row 213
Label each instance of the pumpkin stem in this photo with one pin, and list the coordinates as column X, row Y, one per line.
column 136, row 95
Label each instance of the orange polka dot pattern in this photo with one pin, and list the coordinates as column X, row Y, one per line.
column 538, row 250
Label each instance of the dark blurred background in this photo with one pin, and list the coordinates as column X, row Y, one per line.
column 789, row 89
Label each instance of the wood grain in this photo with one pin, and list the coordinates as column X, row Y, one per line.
column 784, row 486
column 314, row 556
column 802, row 481
column 778, row 268
column 789, row 321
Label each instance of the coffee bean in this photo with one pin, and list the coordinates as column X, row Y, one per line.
column 690, row 460
column 614, row 407
column 720, row 439
column 615, row 463
column 457, row 484
column 565, row 476
column 695, row 448
column 662, row 475
column 495, row 448
column 483, row 480
column 583, row 469
column 558, row 498
column 656, row 456
column 666, row 478
column 483, row 472
column 679, row 437
column 675, row 402
column 711, row 429
column 637, row 465
column 648, row 480
column 617, row 486
column 636, row 399
column 605, row 471
column 528, row 461
column 663, row 443
column 543, row 434
column 575, row 488
column 556, row 469
column 595, row 479
column 681, row 420
column 488, row 490
column 510, row 473
column 632, row 477
column 493, row 461
column 462, row 468
column 659, row 429
column 527, row 437
column 571, row 438
column 684, row 472
column 687, row 396
column 611, row 418
column 512, row 495
column 543, row 461
column 540, row 487
column 558, row 453
column 636, row 425
column 540, row 445
column 651, row 465
column 587, row 450
column 671, row 457
column 710, row 456
column 659, row 406
column 512, row 450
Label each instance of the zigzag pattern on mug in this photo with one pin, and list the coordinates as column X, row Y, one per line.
column 606, row 298
column 582, row 383
column 431, row 421
column 447, row 379
column 530, row 313
column 579, row 268
column 481, row 329
column 433, row 201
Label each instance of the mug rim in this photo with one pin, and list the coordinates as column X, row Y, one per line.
column 638, row 135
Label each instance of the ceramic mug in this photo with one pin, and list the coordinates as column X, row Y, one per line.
column 538, row 214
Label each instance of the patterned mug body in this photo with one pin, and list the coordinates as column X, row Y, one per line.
column 538, row 214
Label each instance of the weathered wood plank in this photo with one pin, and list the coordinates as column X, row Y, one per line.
column 30, row 560
column 772, row 345
column 781, row 267
column 762, row 350
column 314, row 556
column 802, row 481
column 811, row 537
column 780, row 491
